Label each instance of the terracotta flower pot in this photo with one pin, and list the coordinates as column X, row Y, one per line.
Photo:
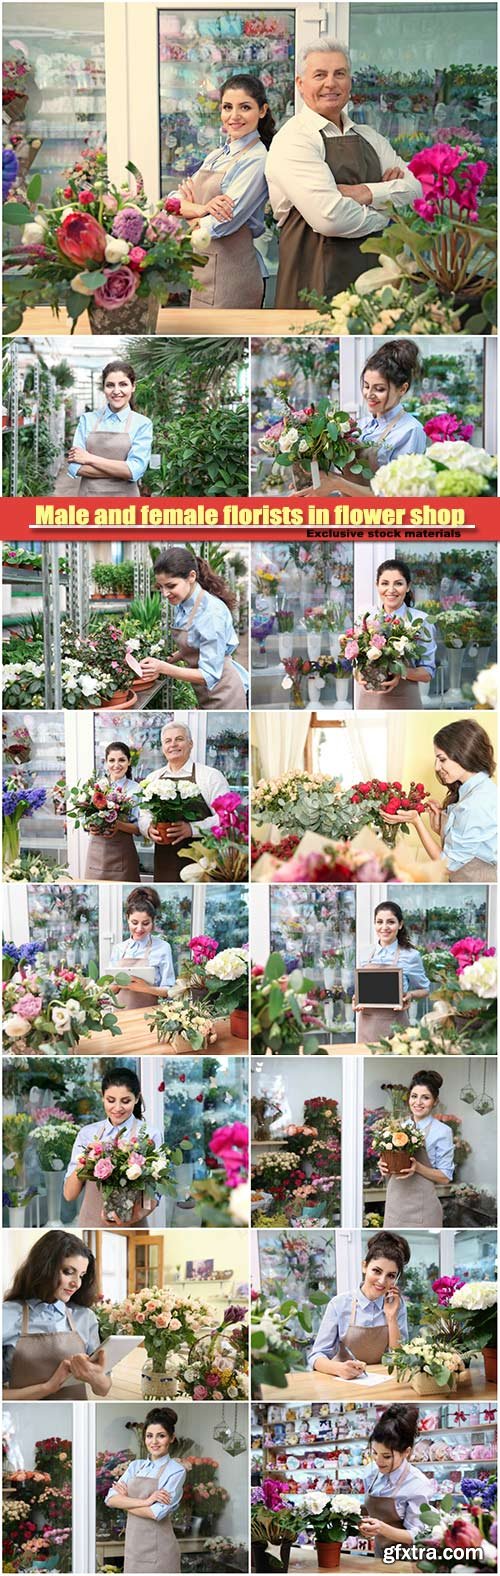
column 140, row 684
column 396, row 1160
column 238, row 1022
column 490, row 1364
column 122, row 699
column 328, row 1556
column 163, row 828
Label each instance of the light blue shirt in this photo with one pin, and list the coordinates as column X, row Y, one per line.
column 470, row 829
column 171, row 1475
column 244, row 180
column 407, row 436
column 407, row 959
column 427, row 637
column 140, row 431
column 415, row 1490
column 157, row 956
column 337, row 1318
column 438, row 1140
column 106, row 1132
column 213, row 633
column 46, row 1318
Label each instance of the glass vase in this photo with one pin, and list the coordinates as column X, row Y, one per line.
column 54, row 1181
column 455, row 657
column 285, row 645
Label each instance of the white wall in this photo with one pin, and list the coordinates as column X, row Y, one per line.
column 304, row 1077
column 54, row 1419
column 480, row 1131
column 197, row 1421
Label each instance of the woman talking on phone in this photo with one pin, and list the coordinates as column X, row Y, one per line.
column 359, row 1326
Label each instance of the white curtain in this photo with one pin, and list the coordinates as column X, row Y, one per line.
column 280, row 740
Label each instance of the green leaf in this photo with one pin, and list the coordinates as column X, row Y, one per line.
column 92, row 970
column 34, row 189
column 16, row 213
column 76, row 304
column 287, row 1307
column 275, row 1003
column 273, row 1372
column 304, row 1319
column 275, row 967
column 93, row 278
column 258, row 1338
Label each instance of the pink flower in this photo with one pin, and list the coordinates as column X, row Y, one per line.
column 140, row 1318
column 440, row 429
column 29, row 1007
column 379, row 641
column 120, row 287
column 351, row 649
column 103, row 1168
column 200, row 1392
column 81, row 238
column 136, row 256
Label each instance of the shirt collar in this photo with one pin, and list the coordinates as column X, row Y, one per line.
column 124, row 1126
column 383, row 421
column 160, row 1460
column 317, row 122
column 369, row 1302
column 118, row 415
column 465, row 788
column 232, row 147
column 36, row 1302
column 184, row 771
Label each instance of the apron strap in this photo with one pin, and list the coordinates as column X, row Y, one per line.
column 196, row 604
column 71, row 1322
column 25, row 1319
column 236, row 156
column 353, row 1309
column 389, row 428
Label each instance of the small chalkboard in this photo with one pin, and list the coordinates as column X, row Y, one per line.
column 378, row 987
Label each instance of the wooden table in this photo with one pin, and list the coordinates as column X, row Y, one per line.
column 136, row 1039
column 180, row 320
column 323, row 1387
column 306, row 1559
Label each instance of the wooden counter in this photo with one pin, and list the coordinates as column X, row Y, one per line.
column 180, row 320
column 306, row 1559
column 136, row 1039
column 323, row 1387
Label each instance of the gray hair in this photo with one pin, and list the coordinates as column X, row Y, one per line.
column 323, row 46
column 182, row 725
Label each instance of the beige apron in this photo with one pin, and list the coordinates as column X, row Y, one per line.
column 134, row 998
column 108, row 446
column 326, row 263
column 93, row 1200
column 36, row 1358
column 112, row 858
column 232, row 276
column 149, row 1545
column 167, row 860
column 383, row 1508
column 374, row 1023
column 474, row 870
column 412, row 1201
column 228, row 694
column 368, row 1346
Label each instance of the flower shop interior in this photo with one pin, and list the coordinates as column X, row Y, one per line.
column 305, row 597
column 60, row 748
column 48, row 1099
column 298, row 1177
column 194, row 391
column 134, row 1267
column 80, row 1446
column 416, row 84
column 322, row 932
column 99, row 602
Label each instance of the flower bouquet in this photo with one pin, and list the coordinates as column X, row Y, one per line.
column 398, row 1139
column 97, row 804
column 448, row 469
column 460, row 626
column 316, row 670
column 30, row 867
column 183, row 1025
column 58, row 1007
column 466, row 1521
column 427, row 1364
column 54, row 1143
column 304, row 801
column 330, row 1519
column 375, row 797
column 221, row 854
column 381, row 648
column 327, row 861
column 98, row 246
column 17, row 801
column 465, row 983
column 125, row 1169
column 170, row 1325
column 317, row 437
column 169, row 800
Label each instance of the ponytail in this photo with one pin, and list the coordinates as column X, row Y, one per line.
column 256, row 91
column 180, row 562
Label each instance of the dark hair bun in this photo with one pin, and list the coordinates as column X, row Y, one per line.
column 430, row 1079
column 164, row 1416
column 390, row 1246
column 397, row 361
column 397, row 1427
column 143, row 897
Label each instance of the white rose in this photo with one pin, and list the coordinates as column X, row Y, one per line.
column 303, row 446
column 33, row 233
column 61, row 1019
column 288, row 439
column 286, row 683
column 116, row 250
column 133, row 1172
column 373, row 653
column 16, row 1028
column 485, row 687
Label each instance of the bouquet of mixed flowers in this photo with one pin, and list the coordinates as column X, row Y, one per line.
column 376, row 797
column 223, row 1197
column 98, row 804
column 430, row 1356
column 171, row 799
column 221, row 854
column 336, row 862
column 466, row 1520
column 59, row 1007
column 398, row 1139
column 322, row 668
column 98, row 246
column 125, row 1168
column 316, row 437
column 382, row 648
column 461, row 626
column 54, row 1143
column 17, row 801
column 187, row 1021
column 432, row 1036
column 449, row 468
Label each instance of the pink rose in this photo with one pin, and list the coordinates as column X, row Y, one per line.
column 140, row 1318
column 29, row 1007
column 200, row 1392
column 136, row 256
column 103, row 1169
column 120, row 287
column 351, row 649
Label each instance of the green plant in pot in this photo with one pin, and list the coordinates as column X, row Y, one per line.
column 275, row 1522
column 476, row 1303
column 330, row 1518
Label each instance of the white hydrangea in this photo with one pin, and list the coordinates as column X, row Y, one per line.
column 412, row 476
column 485, row 687
column 475, row 1295
column 480, row 977
column 229, row 964
column 460, row 455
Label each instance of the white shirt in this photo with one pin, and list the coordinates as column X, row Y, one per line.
column 210, row 782
column 299, row 177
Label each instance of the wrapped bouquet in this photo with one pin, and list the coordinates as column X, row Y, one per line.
column 98, row 804
column 316, row 437
column 125, row 1169
column 382, row 648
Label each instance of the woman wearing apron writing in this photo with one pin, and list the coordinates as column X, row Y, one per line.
column 144, row 946
column 394, row 1488
column 393, row 950
column 411, row 1198
column 204, row 632
column 112, row 446
column 226, row 198
column 359, row 1326
column 50, row 1334
column 463, row 830
column 149, row 1491
column 123, row 1108
column 396, row 601
column 113, row 856
column 388, row 430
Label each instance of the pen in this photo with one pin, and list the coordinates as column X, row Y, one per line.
column 352, row 1354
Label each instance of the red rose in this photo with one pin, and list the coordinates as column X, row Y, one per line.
column 86, row 196
column 419, row 788
column 355, row 798
column 161, row 1088
column 81, row 238
column 397, row 785
column 67, row 192
column 120, row 287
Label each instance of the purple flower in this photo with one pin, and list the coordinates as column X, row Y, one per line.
column 21, row 801
column 10, row 170
column 129, row 225
column 234, row 1315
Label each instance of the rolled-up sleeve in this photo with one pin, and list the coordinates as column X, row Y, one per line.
column 415, row 973
column 166, row 967
column 327, row 1340
column 440, row 1151
column 79, row 441
column 139, row 454
column 173, row 1481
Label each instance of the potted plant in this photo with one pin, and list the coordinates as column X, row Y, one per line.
column 330, row 1519
column 170, row 800
column 273, row 1521
column 429, row 1365
column 183, row 1025
column 397, row 1138
column 478, row 1301
column 227, row 981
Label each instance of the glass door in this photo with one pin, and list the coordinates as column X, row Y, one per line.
column 63, row 102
